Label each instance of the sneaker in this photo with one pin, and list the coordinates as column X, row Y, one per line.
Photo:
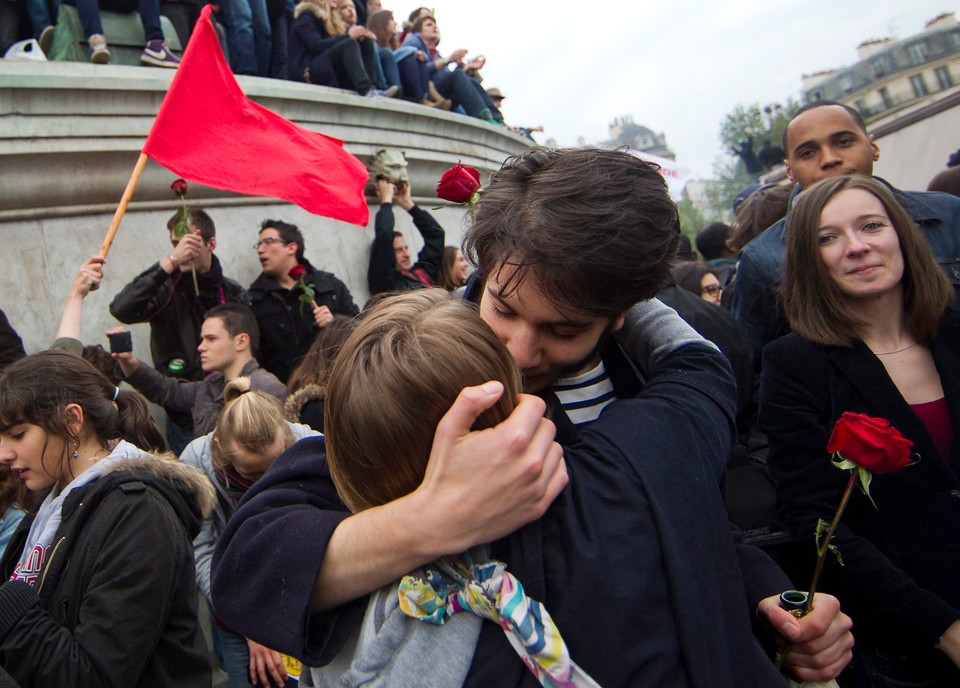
column 377, row 93
column 157, row 54
column 46, row 40
column 99, row 52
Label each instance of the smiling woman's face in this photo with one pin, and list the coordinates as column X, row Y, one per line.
column 859, row 244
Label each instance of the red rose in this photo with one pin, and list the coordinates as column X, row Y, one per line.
column 458, row 184
column 871, row 443
column 297, row 271
column 179, row 187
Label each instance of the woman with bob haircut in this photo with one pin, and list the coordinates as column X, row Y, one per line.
column 100, row 586
column 250, row 434
column 874, row 333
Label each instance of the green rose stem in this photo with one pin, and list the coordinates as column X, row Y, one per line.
column 821, row 558
column 183, row 226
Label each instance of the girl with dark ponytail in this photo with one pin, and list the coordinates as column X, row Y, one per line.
column 100, row 579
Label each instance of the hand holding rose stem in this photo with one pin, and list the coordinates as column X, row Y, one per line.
column 864, row 446
column 184, row 222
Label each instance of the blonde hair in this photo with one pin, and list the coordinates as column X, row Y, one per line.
column 393, row 381
column 331, row 20
column 250, row 419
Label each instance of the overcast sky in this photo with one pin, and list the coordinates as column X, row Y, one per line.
column 677, row 67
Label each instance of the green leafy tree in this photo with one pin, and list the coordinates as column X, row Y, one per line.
column 691, row 219
column 765, row 123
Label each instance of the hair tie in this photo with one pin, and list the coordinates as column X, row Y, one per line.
column 116, row 393
column 244, row 391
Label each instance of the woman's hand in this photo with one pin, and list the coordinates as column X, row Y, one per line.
column 356, row 32
column 822, row 641
column 88, row 276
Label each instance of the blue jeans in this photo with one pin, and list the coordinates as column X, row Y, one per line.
column 387, row 72
column 413, row 78
column 149, row 10
column 41, row 14
column 456, row 86
column 248, row 36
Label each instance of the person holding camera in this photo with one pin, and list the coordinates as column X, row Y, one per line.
column 166, row 296
column 391, row 268
column 228, row 343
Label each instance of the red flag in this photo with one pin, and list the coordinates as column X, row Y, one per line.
column 209, row 132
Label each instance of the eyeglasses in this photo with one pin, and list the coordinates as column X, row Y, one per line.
column 269, row 241
column 711, row 289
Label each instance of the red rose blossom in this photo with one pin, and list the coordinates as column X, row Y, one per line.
column 179, row 187
column 871, row 443
column 458, row 184
column 297, row 271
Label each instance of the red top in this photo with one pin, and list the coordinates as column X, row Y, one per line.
column 936, row 417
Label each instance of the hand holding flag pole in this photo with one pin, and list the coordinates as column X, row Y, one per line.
column 209, row 132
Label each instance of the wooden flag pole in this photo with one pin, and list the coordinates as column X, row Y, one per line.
column 122, row 207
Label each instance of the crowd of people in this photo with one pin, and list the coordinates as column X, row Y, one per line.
column 525, row 475
column 337, row 43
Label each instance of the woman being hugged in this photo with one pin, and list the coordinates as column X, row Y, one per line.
column 100, row 588
column 874, row 333
column 250, row 435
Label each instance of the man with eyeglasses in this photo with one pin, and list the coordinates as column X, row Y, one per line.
column 166, row 296
column 288, row 324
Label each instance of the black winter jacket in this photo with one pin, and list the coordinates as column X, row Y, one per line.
column 382, row 272
column 116, row 604
column 901, row 558
column 285, row 332
column 175, row 313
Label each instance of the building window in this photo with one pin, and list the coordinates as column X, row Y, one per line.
column 943, row 77
column 887, row 100
column 846, row 84
column 919, row 85
column 954, row 40
column 917, row 53
column 879, row 68
column 861, row 108
column 815, row 95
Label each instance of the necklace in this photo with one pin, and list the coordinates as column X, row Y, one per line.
column 895, row 351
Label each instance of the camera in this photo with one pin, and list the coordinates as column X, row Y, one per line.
column 120, row 342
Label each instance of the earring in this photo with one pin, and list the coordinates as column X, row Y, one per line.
column 75, row 454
